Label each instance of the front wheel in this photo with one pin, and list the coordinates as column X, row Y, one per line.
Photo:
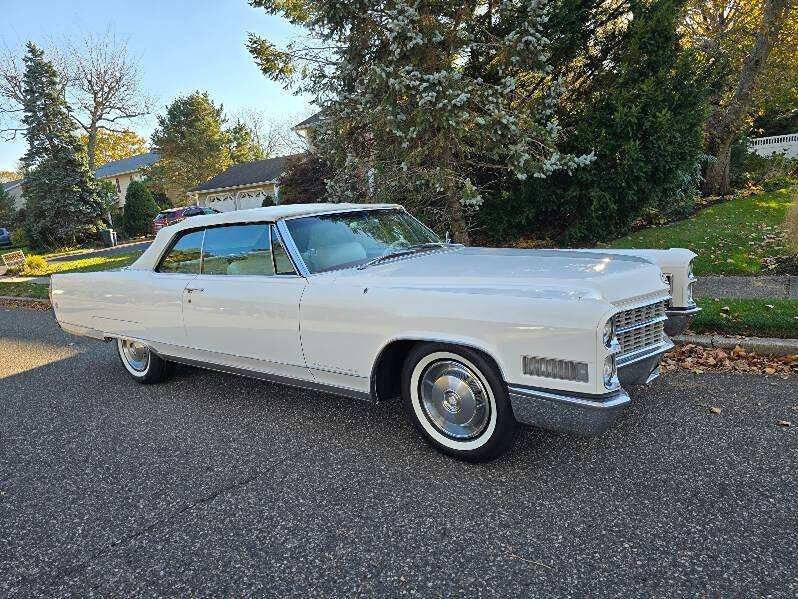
column 458, row 401
column 140, row 361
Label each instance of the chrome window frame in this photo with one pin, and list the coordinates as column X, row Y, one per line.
column 269, row 223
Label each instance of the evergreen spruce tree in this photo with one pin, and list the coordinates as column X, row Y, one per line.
column 140, row 209
column 641, row 109
column 63, row 205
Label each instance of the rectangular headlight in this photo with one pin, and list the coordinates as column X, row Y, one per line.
column 555, row 369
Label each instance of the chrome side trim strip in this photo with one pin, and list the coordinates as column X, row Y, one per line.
column 273, row 378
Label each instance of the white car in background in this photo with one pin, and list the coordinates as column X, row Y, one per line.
column 365, row 301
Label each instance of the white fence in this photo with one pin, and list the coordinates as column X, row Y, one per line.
column 765, row 146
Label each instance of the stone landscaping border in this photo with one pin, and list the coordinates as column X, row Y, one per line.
column 764, row 346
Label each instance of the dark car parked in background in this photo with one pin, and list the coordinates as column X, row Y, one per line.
column 175, row 215
column 5, row 238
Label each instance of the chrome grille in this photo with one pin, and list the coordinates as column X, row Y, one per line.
column 639, row 328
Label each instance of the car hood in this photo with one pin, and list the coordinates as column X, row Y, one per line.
column 537, row 273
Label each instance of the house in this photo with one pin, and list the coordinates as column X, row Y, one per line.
column 242, row 186
column 306, row 127
column 14, row 189
column 122, row 172
column 783, row 144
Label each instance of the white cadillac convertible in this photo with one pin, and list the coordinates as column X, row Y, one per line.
column 365, row 301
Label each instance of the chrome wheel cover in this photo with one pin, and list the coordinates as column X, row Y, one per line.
column 137, row 355
column 454, row 399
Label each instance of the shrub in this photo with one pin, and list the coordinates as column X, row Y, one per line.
column 758, row 170
column 19, row 238
column 303, row 180
column 643, row 119
column 140, row 209
column 35, row 263
column 267, row 201
column 777, row 182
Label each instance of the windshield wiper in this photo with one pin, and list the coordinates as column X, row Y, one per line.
column 406, row 251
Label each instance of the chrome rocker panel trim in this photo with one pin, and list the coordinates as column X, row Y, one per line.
column 271, row 378
column 585, row 415
column 643, row 367
column 679, row 319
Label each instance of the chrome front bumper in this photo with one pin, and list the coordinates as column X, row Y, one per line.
column 585, row 415
column 642, row 367
column 679, row 319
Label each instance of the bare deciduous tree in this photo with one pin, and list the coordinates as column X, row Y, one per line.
column 100, row 79
column 274, row 135
column 105, row 87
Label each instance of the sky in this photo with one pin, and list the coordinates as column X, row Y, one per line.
column 181, row 46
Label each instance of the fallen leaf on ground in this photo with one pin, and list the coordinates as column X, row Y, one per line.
column 784, row 423
column 699, row 359
column 715, row 410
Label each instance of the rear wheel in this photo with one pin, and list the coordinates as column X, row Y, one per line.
column 140, row 361
column 458, row 401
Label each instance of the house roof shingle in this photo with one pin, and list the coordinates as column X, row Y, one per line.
column 126, row 165
column 311, row 121
column 248, row 173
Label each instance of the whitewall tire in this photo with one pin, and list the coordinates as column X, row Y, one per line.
column 141, row 363
column 458, row 400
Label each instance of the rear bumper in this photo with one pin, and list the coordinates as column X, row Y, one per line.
column 585, row 415
column 679, row 319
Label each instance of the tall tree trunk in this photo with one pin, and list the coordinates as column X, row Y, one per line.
column 91, row 147
column 457, row 218
column 726, row 121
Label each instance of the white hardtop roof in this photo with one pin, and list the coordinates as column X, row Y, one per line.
column 269, row 214
column 273, row 213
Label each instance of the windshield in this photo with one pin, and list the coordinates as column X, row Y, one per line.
column 332, row 241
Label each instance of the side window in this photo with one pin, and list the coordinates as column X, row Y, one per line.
column 238, row 250
column 185, row 256
column 282, row 261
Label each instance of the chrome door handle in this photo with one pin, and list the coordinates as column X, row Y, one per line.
column 193, row 289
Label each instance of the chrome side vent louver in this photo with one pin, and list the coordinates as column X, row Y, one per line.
column 555, row 369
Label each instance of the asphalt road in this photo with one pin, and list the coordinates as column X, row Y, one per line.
column 212, row 484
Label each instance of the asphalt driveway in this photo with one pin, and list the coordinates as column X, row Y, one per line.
column 211, row 484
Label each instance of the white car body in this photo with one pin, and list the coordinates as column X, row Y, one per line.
column 345, row 330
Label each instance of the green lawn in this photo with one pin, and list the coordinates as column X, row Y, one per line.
column 89, row 264
column 748, row 317
column 730, row 238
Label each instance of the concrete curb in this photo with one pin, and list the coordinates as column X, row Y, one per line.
column 764, row 346
column 15, row 298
